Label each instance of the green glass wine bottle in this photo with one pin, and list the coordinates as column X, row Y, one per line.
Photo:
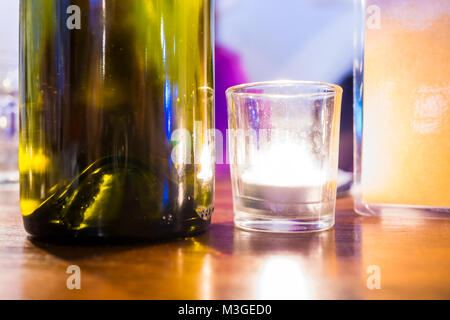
column 117, row 103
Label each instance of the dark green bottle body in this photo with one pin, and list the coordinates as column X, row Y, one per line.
column 106, row 88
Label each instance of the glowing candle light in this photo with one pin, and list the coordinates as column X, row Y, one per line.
column 285, row 172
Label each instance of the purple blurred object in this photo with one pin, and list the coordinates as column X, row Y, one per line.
column 229, row 72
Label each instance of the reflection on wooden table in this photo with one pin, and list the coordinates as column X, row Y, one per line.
column 413, row 257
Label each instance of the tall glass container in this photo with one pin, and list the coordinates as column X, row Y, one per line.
column 402, row 107
column 116, row 105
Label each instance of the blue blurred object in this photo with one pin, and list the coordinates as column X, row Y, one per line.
column 9, row 120
column 9, row 140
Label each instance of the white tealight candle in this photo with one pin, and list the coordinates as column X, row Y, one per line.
column 285, row 173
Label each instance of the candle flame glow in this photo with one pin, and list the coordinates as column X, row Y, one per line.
column 285, row 164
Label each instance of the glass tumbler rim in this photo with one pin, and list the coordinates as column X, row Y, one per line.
column 239, row 90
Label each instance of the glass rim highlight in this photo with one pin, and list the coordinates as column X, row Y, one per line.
column 238, row 90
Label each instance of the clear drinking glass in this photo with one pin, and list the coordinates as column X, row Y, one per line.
column 9, row 120
column 283, row 151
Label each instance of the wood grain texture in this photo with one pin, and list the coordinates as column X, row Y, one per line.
column 227, row 263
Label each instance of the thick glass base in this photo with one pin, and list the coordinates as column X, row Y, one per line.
column 113, row 234
column 111, row 201
column 246, row 222
column 400, row 211
column 263, row 216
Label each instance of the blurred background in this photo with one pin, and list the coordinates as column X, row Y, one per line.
column 9, row 22
column 260, row 40
column 256, row 40
column 9, row 120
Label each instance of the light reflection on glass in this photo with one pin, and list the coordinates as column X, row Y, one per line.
column 206, row 165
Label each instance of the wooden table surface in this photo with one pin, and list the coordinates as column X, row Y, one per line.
column 413, row 257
